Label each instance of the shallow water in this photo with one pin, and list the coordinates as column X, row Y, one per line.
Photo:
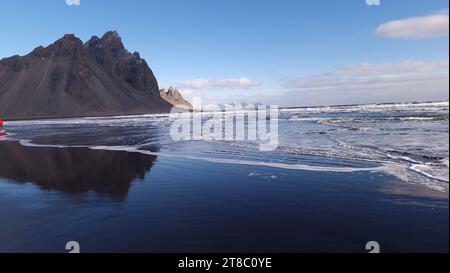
column 341, row 176
column 409, row 141
column 163, row 204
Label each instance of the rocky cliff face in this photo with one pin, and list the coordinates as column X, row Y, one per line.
column 174, row 97
column 70, row 79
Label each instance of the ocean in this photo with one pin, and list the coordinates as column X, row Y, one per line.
column 340, row 176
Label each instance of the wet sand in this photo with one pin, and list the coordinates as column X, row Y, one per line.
column 112, row 201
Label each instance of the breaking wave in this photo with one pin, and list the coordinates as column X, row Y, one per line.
column 409, row 141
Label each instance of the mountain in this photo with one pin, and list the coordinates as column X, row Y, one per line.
column 174, row 97
column 71, row 79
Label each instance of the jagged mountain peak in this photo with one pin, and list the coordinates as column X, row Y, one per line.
column 175, row 97
column 107, row 49
column 69, row 40
column 69, row 79
column 68, row 45
column 111, row 35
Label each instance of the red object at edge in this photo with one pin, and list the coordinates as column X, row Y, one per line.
column 1, row 123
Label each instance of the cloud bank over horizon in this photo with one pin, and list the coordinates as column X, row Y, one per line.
column 384, row 81
column 242, row 82
column 405, row 81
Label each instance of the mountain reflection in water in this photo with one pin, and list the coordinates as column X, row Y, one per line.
column 73, row 170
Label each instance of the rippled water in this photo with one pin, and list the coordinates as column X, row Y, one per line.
column 409, row 141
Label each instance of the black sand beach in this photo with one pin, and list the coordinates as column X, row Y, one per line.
column 116, row 201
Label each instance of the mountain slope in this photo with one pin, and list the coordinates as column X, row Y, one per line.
column 174, row 97
column 69, row 79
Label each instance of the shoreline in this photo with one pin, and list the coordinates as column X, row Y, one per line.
column 174, row 204
column 351, row 171
column 161, row 113
column 83, row 116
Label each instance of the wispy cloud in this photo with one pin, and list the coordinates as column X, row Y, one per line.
column 404, row 81
column 362, row 76
column 230, row 83
column 424, row 27
column 365, row 83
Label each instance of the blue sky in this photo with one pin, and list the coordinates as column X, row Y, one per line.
column 265, row 51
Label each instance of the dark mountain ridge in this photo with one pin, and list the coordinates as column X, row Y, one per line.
column 71, row 79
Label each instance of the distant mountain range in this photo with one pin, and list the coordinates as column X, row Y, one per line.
column 72, row 79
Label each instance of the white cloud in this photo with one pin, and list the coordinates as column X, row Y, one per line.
column 404, row 81
column 365, row 83
column 424, row 27
column 230, row 83
column 362, row 76
column 205, row 97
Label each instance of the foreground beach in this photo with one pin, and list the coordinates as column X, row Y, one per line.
column 171, row 205
column 339, row 179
